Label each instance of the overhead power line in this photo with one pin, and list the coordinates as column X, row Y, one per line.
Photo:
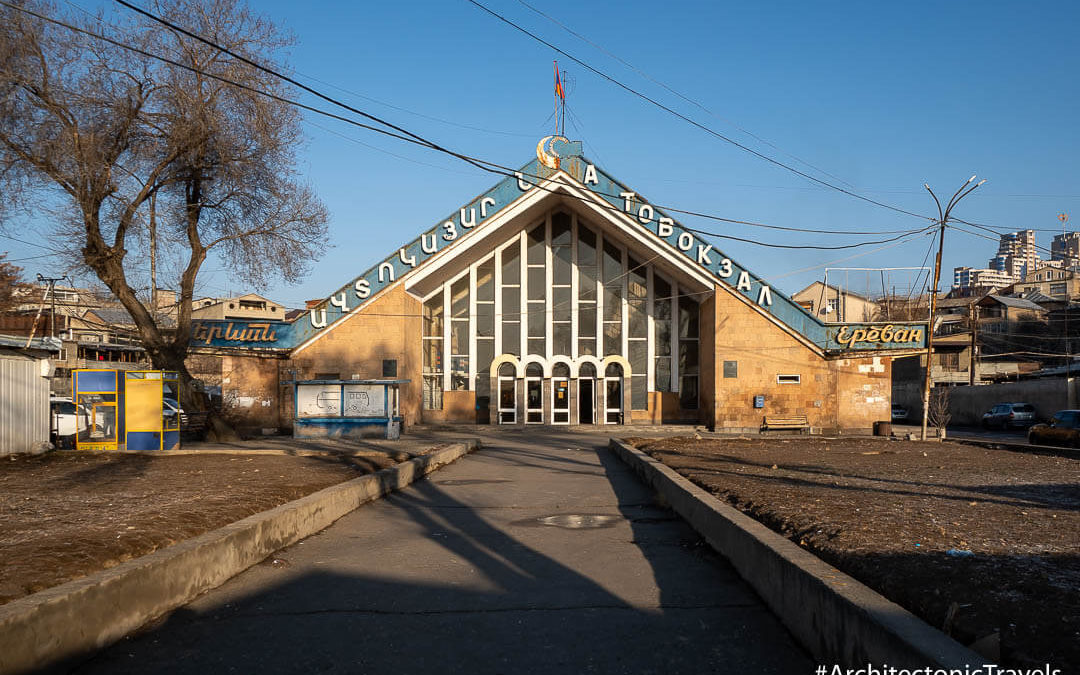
column 679, row 94
column 410, row 137
column 689, row 120
column 424, row 141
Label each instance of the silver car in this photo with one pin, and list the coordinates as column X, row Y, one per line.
column 1009, row 415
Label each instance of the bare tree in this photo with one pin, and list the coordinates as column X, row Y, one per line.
column 938, row 413
column 10, row 278
column 105, row 132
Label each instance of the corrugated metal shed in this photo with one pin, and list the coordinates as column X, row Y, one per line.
column 24, row 396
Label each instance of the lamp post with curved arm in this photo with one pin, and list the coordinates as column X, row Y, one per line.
column 943, row 218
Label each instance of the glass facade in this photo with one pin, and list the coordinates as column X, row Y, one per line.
column 560, row 296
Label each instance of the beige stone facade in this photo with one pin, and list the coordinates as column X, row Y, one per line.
column 563, row 305
column 794, row 378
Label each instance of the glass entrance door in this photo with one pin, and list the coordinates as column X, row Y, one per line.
column 613, row 399
column 507, row 401
column 560, row 401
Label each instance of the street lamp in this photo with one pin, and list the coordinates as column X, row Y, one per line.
column 943, row 218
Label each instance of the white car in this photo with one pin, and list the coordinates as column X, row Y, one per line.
column 66, row 420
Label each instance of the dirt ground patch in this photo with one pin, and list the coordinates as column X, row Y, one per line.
column 984, row 544
column 65, row 515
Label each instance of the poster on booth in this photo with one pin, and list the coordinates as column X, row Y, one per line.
column 365, row 400
column 318, row 400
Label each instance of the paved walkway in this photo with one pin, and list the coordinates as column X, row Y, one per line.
column 541, row 553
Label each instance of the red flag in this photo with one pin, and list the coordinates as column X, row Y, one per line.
column 558, row 84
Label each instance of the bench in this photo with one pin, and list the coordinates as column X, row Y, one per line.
column 785, row 422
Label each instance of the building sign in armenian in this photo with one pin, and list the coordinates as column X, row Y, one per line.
column 879, row 336
column 253, row 334
column 622, row 201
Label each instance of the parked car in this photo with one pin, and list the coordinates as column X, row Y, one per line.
column 65, row 421
column 1006, row 415
column 170, row 407
column 1062, row 429
column 899, row 413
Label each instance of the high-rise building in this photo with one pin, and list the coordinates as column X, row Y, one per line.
column 1066, row 246
column 1016, row 254
column 967, row 277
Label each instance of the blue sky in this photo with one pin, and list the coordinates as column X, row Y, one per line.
column 881, row 96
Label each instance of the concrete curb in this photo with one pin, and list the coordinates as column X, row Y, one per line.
column 1050, row 450
column 836, row 618
column 71, row 620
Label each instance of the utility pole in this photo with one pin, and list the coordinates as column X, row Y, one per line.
column 943, row 218
column 973, row 365
column 1064, row 218
column 52, row 296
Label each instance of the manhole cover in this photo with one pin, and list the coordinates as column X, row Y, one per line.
column 576, row 521
column 471, row 481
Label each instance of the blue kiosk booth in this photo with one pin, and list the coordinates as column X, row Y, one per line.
column 356, row 408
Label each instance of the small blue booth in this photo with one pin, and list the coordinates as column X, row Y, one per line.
column 351, row 408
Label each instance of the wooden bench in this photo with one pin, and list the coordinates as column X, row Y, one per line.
column 785, row 422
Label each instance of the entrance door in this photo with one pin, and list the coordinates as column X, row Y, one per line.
column 586, row 400
column 560, row 394
column 560, row 401
column 534, row 394
column 613, row 400
column 587, row 394
column 507, row 394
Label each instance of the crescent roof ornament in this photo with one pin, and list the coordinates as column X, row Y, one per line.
column 546, row 153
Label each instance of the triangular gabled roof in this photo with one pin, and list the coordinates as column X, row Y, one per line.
column 561, row 169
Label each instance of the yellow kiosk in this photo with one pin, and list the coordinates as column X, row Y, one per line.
column 151, row 410
column 97, row 396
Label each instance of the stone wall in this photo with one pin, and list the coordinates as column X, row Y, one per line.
column 388, row 328
column 250, row 394
column 967, row 404
column 845, row 394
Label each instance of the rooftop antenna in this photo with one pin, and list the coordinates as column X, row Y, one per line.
column 560, row 103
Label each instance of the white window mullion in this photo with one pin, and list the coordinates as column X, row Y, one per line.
column 674, row 336
column 498, row 301
column 574, row 286
column 447, row 322
column 650, row 357
column 600, row 296
column 472, row 327
column 625, row 315
column 549, row 294
column 523, row 318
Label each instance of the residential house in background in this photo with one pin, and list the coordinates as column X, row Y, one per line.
column 1052, row 282
column 248, row 307
column 832, row 303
